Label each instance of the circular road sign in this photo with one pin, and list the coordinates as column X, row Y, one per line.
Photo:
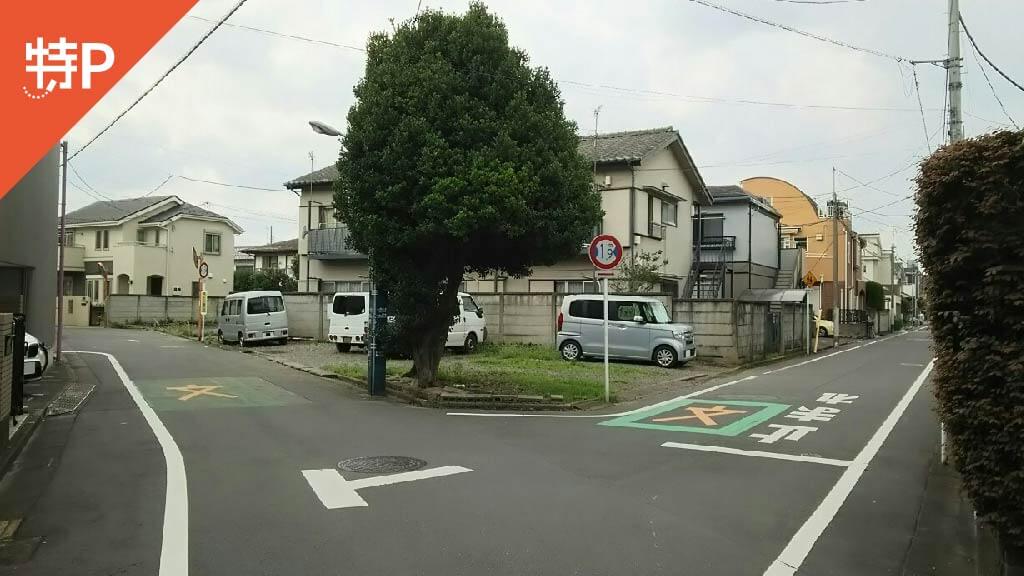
column 605, row 251
column 204, row 269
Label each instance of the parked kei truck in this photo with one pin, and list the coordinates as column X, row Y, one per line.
column 350, row 320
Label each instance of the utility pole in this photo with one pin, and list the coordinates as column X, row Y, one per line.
column 835, row 263
column 954, row 63
column 60, row 249
column 892, row 278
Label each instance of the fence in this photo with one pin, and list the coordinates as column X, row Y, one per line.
column 736, row 332
column 130, row 309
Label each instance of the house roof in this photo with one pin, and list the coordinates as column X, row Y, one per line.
column 111, row 210
column 625, row 146
column 284, row 246
column 326, row 175
column 610, row 148
column 123, row 209
column 737, row 195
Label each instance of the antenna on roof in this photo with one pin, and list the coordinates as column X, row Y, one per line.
column 597, row 114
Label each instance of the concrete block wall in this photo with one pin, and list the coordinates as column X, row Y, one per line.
column 714, row 327
column 133, row 309
column 303, row 320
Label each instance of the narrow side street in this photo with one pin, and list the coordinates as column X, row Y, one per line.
column 718, row 482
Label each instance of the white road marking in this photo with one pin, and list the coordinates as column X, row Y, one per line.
column 794, row 554
column 174, row 551
column 758, row 453
column 911, row 364
column 130, row 340
column 174, row 346
column 334, row 491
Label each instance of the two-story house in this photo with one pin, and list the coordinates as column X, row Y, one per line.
column 144, row 246
column 736, row 244
column 649, row 185
column 274, row 256
column 805, row 225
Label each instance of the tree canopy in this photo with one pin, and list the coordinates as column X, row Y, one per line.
column 458, row 158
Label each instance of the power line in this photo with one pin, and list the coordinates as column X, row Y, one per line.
column 866, row 185
column 988, row 81
column 160, row 79
column 920, row 106
column 800, row 32
column 982, row 54
column 618, row 89
column 225, row 184
column 159, row 186
column 284, row 35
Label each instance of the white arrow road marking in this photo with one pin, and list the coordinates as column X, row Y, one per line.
column 334, row 491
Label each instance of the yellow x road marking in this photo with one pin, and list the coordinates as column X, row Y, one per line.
column 703, row 414
column 193, row 390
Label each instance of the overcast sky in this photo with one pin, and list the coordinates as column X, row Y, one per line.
column 237, row 110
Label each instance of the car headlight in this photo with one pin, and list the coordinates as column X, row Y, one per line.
column 679, row 335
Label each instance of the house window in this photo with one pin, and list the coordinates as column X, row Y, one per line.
column 669, row 212
column 350, row 286
column 156, row 239
column 211, row 244
column 709, row 226
column 576, row 287
column 103, row 239
column 140, row 235
column 270, row 261
column 325, row 214
column 801, row 242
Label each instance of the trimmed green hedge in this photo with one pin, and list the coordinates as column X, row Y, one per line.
column 970, row 230
column 874, row 296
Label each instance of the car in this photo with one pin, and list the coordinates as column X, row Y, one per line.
column 350, row 320
column 639, row 328
column 824, row 327
column 37, row 357
column 248, row 317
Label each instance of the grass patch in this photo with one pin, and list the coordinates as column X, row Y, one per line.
column 520, row 369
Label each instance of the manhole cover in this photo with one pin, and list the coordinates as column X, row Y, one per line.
column 381, row 464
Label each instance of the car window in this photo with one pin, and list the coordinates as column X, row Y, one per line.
column 623, row 311
column 349, row 305
column 469, row 305
column 655, row 313
column 587, row 309
column 236, row 307
column 225, row 307
column 264, row 304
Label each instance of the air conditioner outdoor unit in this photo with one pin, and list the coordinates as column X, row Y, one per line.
column 819, row 237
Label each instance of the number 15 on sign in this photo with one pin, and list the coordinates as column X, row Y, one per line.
column 605, row 254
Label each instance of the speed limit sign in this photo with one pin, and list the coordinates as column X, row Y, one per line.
column 605, row 252
column 204, row 269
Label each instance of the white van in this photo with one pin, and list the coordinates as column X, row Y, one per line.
column 350, row 318
column 247, row 317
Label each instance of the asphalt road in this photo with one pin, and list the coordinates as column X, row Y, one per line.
column 813, row 467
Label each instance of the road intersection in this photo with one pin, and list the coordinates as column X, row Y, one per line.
column 810, row 467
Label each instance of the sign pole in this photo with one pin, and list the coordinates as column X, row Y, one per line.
column 202, row 312
column 607, row 394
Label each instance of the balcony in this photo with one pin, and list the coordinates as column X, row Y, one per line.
column 718, row 243
column 331, row 244
column 74, row 257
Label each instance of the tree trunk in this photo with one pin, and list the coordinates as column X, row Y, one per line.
column 429, row 347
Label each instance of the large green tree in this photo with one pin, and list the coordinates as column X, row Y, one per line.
column 458, row 158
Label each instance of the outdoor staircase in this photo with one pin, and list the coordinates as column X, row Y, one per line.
column 785, row 280
column 707, row 275
column 708, row 283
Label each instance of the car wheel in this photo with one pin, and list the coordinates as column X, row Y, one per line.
column 220, row 337
column 343, row 347
column 241, row 341
column 665, row 356
column 822, row 331
column 570, row 350
column 469, row 346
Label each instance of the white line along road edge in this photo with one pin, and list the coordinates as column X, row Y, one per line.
column 174, row 551
column 794, row 554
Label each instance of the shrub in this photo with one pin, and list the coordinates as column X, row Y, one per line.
column 874, row 296
column 970, row 233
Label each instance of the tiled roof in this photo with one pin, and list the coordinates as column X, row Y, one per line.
column 111, row 210
column 736, row 194
column 325, row 175
column 284, row 246
column 625, row 146
column 185, row 209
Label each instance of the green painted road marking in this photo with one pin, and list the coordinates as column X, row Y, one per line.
column 721, row 417
column 203, row 393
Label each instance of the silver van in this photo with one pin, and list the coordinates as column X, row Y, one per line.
column 247, row 317
column 639, row 328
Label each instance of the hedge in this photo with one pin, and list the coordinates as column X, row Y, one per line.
column 970, row 230
column 874, row 296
